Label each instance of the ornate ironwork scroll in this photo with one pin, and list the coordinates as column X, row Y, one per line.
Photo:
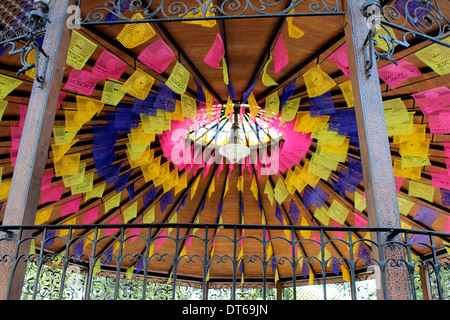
column 164, row 11
column 417, row 18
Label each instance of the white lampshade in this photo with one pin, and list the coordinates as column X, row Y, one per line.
column 234, row 150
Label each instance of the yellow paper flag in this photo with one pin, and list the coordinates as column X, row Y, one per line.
column 43, row 216
column 149, row 216
column 269, row 191
column 80, row 49
column 134, row 34
column 194, row 187
column 317, row 82
column 437, row 57
column 294, row 32
column 139, row 84
column 112, row 202
column 112, row 92
column 130, row 212
column 212, row 187
column 266, row 79
column 338, row 212
column 254, row 188
column 97, row 192
column 67, row 165
column 7, row 85
column 421, row 190
column 305, row 233
column 178, row 79
column 345, row 274
column 272, row 105
column 280, row 191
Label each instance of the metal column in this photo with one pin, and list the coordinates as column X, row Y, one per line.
column 381, row 196
column 30, row 165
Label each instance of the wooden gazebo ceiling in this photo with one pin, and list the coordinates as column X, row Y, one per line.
column 248, row 42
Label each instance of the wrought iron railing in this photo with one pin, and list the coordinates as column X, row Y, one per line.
column 84, row 262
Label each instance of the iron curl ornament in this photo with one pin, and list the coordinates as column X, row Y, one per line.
column 165, row 10
column 421, row 18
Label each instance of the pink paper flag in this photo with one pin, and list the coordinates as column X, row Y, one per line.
column 157, row 56
column 340, row 59
column 439, row 121
column 91, row 215
column 338, row 234
column 22, row 115
column 433, row 99
column 360, row 221
column 81, row 81
column 71, row 206
column 61, row 97
column 108, row 66
column 110, row 231
column 280, row 55
column 447, row 225
column 447, row 148
column 52, row 194
column 216, row 53
column 134, row 232
column 440, row 178
column 398, row 183
column 394, row 75
column 160, row 241
column 188, row 241
column 13, row 155
column 46, row 180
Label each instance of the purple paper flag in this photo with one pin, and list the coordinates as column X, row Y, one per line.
column 78, row 249
column 107, row 256
column 305, row 269
column 139, row 265
column 445, row 194
column 420, row 240
column 426, row 216
column 216, row 53
column 364, row 252
column 122, row 181
column 288, row 91
column 145, row 106
column 166, row 99
column 49, row 238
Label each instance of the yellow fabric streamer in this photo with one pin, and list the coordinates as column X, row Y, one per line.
column 134, row 34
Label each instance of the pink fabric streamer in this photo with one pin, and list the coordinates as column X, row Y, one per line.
column 157, row 56
column 340, row 59
column 394, row 75
column 280, row 55
column 216, row 53
column 433, row 99
column 108, row 66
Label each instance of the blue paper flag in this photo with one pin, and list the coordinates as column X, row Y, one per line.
column 124, row 5
column 166, row 99
column 335, row 267
column 200, row 94
column 166, row 200
column 293, row 211
column 278, row 214
column 426, row 215
column 307, row 198
column 78, row 249
column 364, row 252
column 219, row 210
column 112, row 175
column 288, row 91
column 130, row 190
column 139, row 265
column 321, row 105
column 149, row 197
column 107, row 256
column 305, row 269
column 49, row 238
column 231, row 90
column 122, row 181
column 125, row 118
column 145, row 106
column 445, row 194
column 319, row 196
column 423, row 238
column 248, row 91
column 355, row 168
